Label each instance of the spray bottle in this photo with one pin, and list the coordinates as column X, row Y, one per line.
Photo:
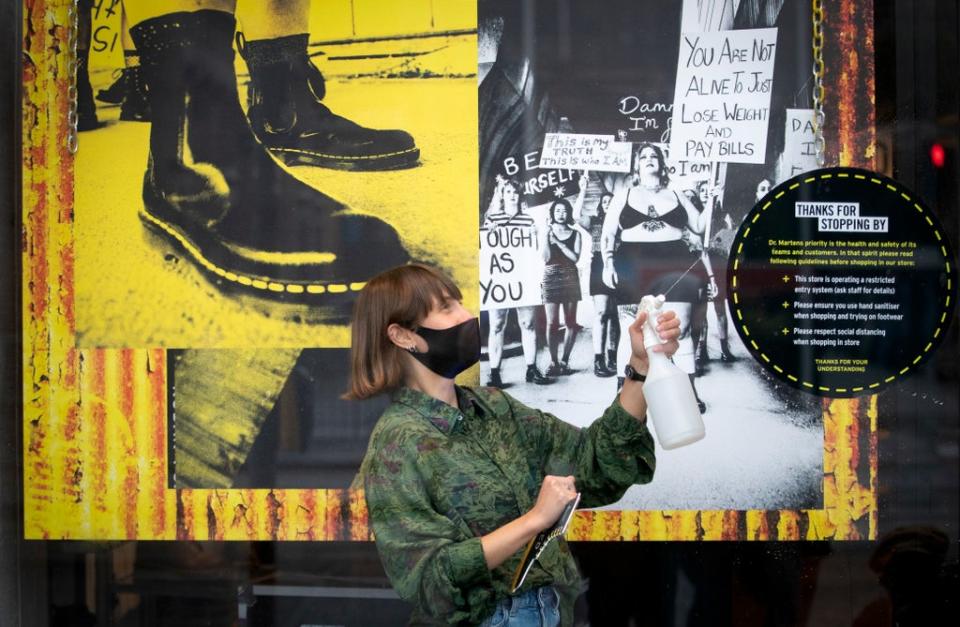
column 671, row 402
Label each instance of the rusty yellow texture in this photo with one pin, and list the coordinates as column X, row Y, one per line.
column 758, row 527
column 95, row 428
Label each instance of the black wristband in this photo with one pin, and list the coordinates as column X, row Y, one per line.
column 633, row 375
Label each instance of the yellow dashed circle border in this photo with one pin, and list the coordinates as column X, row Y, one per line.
column 811, row 178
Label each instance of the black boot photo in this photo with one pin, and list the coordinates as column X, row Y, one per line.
column 286, row 112
column 534, row 375
column 600, row 368
column 114, row 93
column 725, row 354
column 128, row 91
column 86, row 107
column 213, row 189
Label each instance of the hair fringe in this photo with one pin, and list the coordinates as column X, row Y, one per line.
column 403, row 296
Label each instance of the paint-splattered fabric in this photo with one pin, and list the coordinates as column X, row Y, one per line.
column 438, row 478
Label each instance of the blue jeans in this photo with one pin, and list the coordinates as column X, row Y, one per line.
column 539, row 607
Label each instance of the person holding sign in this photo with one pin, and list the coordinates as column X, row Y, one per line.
column 705, row 197
column 644, row 250
column 606, row 325
column 561, row 284
column 506, row 210
column 458, row 480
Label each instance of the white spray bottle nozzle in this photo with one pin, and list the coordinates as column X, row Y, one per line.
column 651, row 304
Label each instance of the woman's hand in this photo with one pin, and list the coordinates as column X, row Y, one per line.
column 498, row 191
column 668, row 328
column 496, row 201
column 555, row 493
column 504, row 542
column 610, row 278
column 693, row 241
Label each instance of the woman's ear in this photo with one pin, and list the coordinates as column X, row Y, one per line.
column 401, row 337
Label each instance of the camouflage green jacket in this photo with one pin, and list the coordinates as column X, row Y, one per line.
column 438, row 478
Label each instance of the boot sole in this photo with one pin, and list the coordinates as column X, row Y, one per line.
column 332, row 293
column 387, row 161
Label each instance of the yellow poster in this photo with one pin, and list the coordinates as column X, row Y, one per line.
column 189, row 269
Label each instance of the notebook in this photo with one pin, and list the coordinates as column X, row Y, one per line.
column 536, row 546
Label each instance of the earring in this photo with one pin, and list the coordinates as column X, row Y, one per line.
column 412, row 349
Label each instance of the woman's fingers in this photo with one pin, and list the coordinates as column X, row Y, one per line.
column 668, row 326
column 567, row 483
column 639, row 321
column 668, row 347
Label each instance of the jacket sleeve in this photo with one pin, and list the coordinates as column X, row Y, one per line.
column 427, row 555
column 613, row 453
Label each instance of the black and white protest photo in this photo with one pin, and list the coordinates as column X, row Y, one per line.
column 619, row 160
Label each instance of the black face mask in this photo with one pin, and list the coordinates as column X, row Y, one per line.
column 450, row 351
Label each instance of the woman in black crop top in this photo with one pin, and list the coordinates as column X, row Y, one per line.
column 606, row 323
column 645, row 252
column 561, row 284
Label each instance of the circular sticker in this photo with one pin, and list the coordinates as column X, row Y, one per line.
column 840, row 282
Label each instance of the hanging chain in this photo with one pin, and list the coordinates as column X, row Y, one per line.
column 73, row 20
column 818, row 116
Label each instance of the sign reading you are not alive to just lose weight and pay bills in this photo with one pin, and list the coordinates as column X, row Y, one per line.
column 721, row 104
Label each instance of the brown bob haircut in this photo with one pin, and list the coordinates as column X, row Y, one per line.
column 403, row 295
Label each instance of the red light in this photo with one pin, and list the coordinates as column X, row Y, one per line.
column 937, row 155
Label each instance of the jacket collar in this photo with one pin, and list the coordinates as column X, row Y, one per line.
column 441, row 415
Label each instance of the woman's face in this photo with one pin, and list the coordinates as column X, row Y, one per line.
column 449, row 313
column 559, row 213
column 702, row 193
column 605, row 201
column 511, row 197
column 648, row 162
column 762, row 188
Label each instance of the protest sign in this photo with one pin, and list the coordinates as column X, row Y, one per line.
column 511, row 267
column 799, row 144
column 644, row 120
column 721, row 107
column 599, row 153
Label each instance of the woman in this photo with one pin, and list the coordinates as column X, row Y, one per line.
column 719, row 251
column 458, row 480
column 606, row 325
column 561, row 284
column 733, row 222
column 648, row 220
column 702, row 197
column 506, row 210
